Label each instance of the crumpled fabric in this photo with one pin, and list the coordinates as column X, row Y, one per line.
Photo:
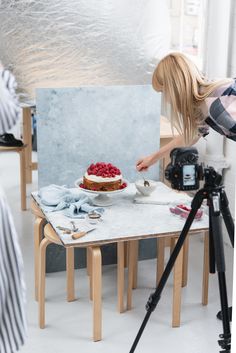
column 9, row 105
column 74, row 203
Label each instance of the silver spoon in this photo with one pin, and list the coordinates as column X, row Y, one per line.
column 64, row 229
column 145, row 182
column 74, row 228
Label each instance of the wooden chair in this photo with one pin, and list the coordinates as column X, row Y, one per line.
column 21, row 151
column 180, row 272
column 39, row 224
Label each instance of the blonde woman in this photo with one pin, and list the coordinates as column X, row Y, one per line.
column 192, row 103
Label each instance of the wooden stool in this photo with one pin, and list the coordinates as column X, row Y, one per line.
column 50, row 237
column 180, row 272
column 21, row 151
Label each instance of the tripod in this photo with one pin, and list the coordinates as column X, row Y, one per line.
column 213, row 192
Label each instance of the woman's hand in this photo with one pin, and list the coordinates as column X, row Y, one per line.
column 144, row 163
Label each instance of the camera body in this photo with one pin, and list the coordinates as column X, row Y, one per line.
column 183, row 171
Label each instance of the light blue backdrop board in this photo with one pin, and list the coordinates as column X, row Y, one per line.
column 78, row 126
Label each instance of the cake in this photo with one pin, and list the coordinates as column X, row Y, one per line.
column 103, row 177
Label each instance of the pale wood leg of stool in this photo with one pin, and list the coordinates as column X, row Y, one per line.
column 172, row 244
column 70, row 269
column 89, row 251
column 131, row 249
column 97, row 293
column 88, row 260
column 177, row 289
column 205, row 281
column 120, row 276
column 42, row 262
column 135, row 270
column 185, row 262
column 22, row 179
column 160, row 258
column 38, row 235
column 126, row 244
column 27, row 138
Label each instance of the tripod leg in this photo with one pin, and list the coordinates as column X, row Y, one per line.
column 220, row 266
column 212, row 261
column 224, row 208
column 155, row 297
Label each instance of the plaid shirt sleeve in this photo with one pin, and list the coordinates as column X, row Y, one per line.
column 222, row 112
column 203, row 130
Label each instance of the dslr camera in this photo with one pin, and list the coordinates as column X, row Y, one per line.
column 183, row 171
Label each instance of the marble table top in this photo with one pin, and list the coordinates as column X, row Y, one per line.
column 125, row 220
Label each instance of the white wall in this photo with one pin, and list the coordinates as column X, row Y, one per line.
column 220, row 62
column 230, row 146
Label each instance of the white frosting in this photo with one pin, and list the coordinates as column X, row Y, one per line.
column 99, row 179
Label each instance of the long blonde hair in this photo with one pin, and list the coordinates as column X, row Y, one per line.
column 184, row 88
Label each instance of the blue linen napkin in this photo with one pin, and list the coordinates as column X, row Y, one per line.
column 74, row 203
column 79, row 208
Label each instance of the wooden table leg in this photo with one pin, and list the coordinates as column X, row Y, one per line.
column 205, row 281
column 120, row 276
column 126, row 249
column 177, row 289
column 130, row 273
column 27, row 139
column 160, row 258
column 42, row 264
column 88, row 261
column 185, row 262
column 70, row 270
column 38, row 235
column 97, row 292
column 135, row 258
column 22, row 179
column 172, row 244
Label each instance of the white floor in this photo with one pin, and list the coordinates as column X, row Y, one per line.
column 69, row 325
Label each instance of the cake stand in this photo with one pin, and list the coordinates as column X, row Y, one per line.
column 103, row 197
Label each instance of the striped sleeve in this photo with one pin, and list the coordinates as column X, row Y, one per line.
column 9, row 106
column 12, row 288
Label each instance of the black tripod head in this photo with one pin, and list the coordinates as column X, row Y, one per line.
column 212, row 178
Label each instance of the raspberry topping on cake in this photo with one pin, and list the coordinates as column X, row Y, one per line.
column 104, row 170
